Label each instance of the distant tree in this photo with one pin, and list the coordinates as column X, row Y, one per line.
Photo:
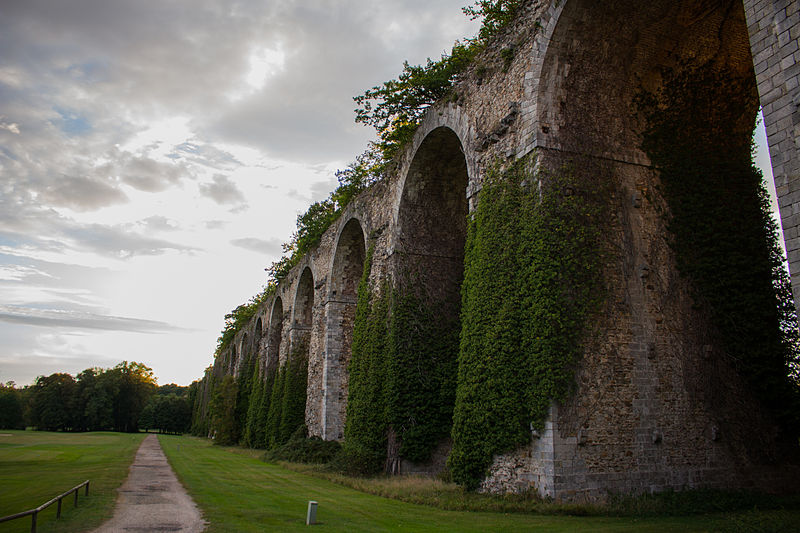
column 53, row 402
column 97, row 390
column 172, row 388
column 167, row 414
column 11, row 411
column 136, row 384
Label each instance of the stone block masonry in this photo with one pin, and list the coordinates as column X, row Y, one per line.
column 656, row 404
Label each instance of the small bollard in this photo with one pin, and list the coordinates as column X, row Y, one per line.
column 311, row 516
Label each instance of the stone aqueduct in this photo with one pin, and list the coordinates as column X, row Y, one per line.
column 643, row 400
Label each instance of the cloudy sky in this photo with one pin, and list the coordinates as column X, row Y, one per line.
column 155, row 155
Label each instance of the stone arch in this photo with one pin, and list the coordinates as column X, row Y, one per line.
column 770, row 47
column 348, row 261
column 304, row 300
column 340, row 307
column 631, row 43
column 428, row 259
column 274, row 335
column 233, row 359
column 258, row 332
column 432, row 218
column 454, row 118
column 302, row 314
column 245, row 353
column 594, row 61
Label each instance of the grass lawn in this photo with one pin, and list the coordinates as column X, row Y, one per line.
column 238, row 492
column 36, row 466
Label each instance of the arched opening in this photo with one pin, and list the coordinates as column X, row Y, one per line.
column 586, row 93
column 275, row 336
column 304, row 300
column 233, row 360
column 246, row 355
column 348, row 262
column 429, row 259
column 659, row 99
column 340, row 308
column 432, row 216
column 257, row 335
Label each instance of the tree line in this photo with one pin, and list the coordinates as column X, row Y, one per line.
column 124, row 398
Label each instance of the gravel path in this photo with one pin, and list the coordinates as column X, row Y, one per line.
column 152, row 498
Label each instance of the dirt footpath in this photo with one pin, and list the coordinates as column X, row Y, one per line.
column 152, row 499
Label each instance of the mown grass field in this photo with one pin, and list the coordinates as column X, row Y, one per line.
column 36, row 466
column 238, row 492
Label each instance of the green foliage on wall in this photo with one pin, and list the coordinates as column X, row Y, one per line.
column 401, row 376
column 273, row 427
column 532, row 278
column 253, row 436
column 494, row 14
column 396, row 107
column 365, row 424
column 293, row 402
column 201, row 423
column 244, row 388
column 422, row 372
column 287, row 403
column 222, row 410
column 724, row 238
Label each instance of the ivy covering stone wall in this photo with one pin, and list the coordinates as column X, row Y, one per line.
column 402, row 374
column 532, row 279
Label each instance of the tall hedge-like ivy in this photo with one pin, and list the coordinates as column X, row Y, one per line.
column 365, row 423
column 421, row 377
column 402, row 373
column 272, row 436
column 293, row 403
column 258, row 410
column 532, row 278
column 287, row 399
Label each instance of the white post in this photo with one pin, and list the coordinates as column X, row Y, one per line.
column 311, row 516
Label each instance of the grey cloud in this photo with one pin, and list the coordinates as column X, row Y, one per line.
column 158, row 223
column 206, row 155
column 81, row 193
column 79, row 320
column 28, row 227
column 60, row 276
column 148, row 175
column 336, row 50
column 222, row 190
column 267, row 247
column 119, row 241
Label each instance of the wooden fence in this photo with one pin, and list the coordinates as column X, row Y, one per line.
column 34, row 512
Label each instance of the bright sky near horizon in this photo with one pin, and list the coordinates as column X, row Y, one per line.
column 155, row 155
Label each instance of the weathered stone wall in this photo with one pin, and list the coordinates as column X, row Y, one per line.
column 656, row 403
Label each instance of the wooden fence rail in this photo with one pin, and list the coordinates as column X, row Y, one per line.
column 34, row 512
